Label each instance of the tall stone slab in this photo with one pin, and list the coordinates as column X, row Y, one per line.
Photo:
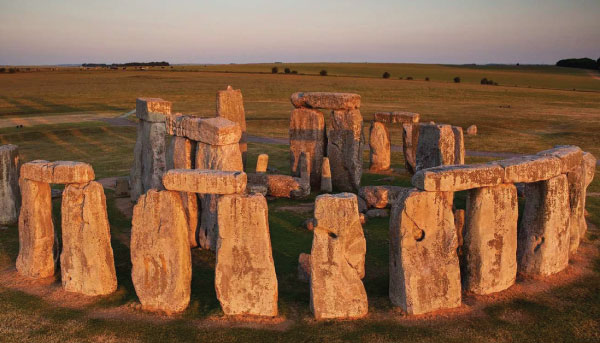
column 436, row 146
column 410, row 139
column 490, row 239
column 380, row 147
column 459, row 145
column 589, row 169
column 424, row 268
column 577, row 193
column 338, row 259
column 86, row 262
column 10, row 196
column 344, row 149
column 160, row 252
column 36, row 230
column 230, row 105
column 307, row 135
column 245, row 279
column 326, row 185
column 543, row 238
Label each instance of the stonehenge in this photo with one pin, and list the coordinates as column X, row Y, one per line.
column 380, row 155
column 10, row 197
column 230, row 105
column 307, row 135
column 379, row 142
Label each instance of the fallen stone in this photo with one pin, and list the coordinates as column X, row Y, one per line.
column 36, row 230
column 344, row 149
column 62, row 172
column 307, row 135
column 569, row 155
column 309, row 224
column 10, row 195
column 543, row 238
column 122, row 187
column 529, row 169
column 86, row 262
column 459, row 145
column 149, row 158
column 377, row 213
column 381, row 196
column 324, row 100
column 362, row 204
column 424, row 268
column 326, row 185
column 490, row 240
column 262, row 163
column 410, row 140
column 160, row 252
column 245, row 279
column 436, row 146
column 456, row 178
column 472, row 130
column 152, row 109
column 380, row 152
column 338, row 259
column 205, row 181
column 304, row 267
column 213, row 131
column 397, row 117
column 285, row 186
column 230, row 105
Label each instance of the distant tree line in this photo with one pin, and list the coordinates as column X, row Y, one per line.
column 130, row 64
column 582, row 63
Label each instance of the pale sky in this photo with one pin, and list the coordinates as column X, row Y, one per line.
column 236, row 31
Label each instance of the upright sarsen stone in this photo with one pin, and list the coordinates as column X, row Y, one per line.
column 86, row 263
column 459, row 145
column 543, row 238
column 410, row 139
column 36, row 230
column 436, row 146
column 326, row 186
column 149, row 161
column 380, row 152
column 338, row 259
column 490, row 239
column 230, row 105
column 10, row 196
column 245, row 278
column 307, row 134
column 160, row 252
column 589, row 169
column 344, row 149
column 424, row 268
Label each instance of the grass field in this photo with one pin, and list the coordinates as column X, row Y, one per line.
column 510, row 119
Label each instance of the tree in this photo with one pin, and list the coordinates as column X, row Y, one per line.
column 582, row 63
column 274, row 70
column 294, row 72
column 323, row 72
column 287, row 70
column 457, row 79
column 409, row 77
column 484, row 81
column 427, row 78
column 386, row 75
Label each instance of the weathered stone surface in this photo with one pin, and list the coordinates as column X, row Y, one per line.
column 589, row 168
column 86, row 262
column 424, row 268
column 380, row 152
column 570, row 156
column 377, row 213
column 397, row 117
column 160, row 252
column 381, row 196
column 152, row 109
column 472, row 130
column 262, row 163
column 455, row 178
column 285, row 186
column 304, row 267
column 362, row 205
column 338, row 259
column 326, row 185
column 181, row 153
column 307, row 134
column 490, row 240
column 459, row 145
column 324, row 100
column 309, row 224
column 36, row 230
column 577, row 223
column 230, row 105
column 205, row 181
column 245, row 278
column 344, row 149
column 530, row 168
column 410, row 140
column 149, row 158
column 219, row 157
column 459, row 224
column 213, row 131
column 435, row 147
column 543, row 238
column 10, row 196
column 122, row 187
column 57, row 172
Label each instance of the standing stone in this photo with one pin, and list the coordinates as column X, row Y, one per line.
column 230, row 105
column 245, row 278
column 122, row 187
column 10, row 197
column 577, row 193
column 86, row 263
column 262, row 163
column 36, row 230
column 307, row 134
column 589, row 169
column 459, row 145
column 410, row 139
column 459, row 224
column 326, row 186
column 160, row 252
column 344, row 149
column 472, row 130
column 338, row 259
column 490, row 240
column 543, row 238
column 149, row 161
column 424, row 268
column 181, row 155
column 304, row 267
column 379, row 142
column 436, row 146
